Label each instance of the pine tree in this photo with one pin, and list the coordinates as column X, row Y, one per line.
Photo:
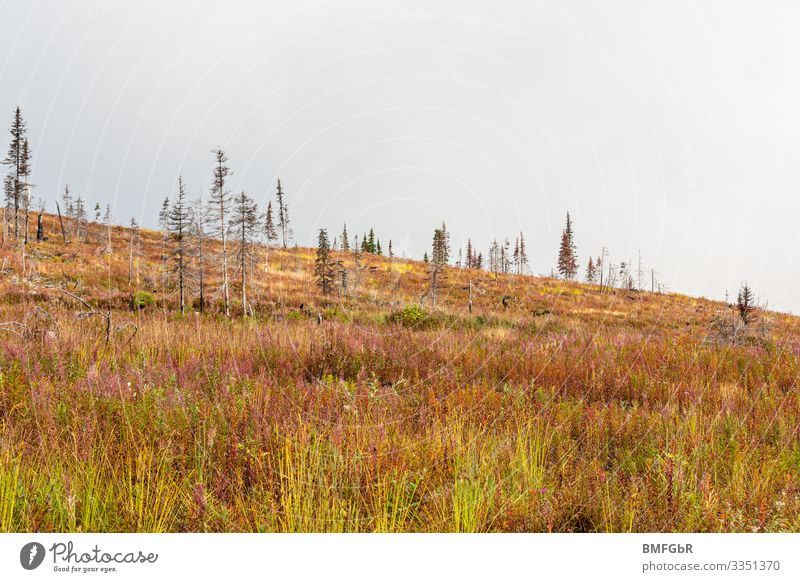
column 344, row 242
column 269, row 226
column 391, row 252
column 324, row 268
column 470, row 259
column 567, row 257
column 284, row 225
column 244, row 226
column 218, row 208
column 97, row 212
column 378, row 250
column 178, row 224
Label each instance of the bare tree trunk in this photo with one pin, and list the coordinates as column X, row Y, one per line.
column 224, row 262
column 130, row 261
column 27, row 208
column 61, row 222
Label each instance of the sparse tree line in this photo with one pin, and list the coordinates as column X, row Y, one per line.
column 235, row 221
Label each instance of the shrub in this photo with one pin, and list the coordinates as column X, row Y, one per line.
column 142, row 299
column 411, row 316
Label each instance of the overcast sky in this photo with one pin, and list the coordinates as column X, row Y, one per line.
column 670, row 128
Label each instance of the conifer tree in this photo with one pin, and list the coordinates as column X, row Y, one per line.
column 494, row 257
column 591, row 273
column 133, row 244
column 178, row 225
column 107, row 226
column 269, row 226
column 25, row 187
column 69, row 207
column 440, row 254
column 567, row 257
column 324, row 268
column 80, row 218
column 199, row 249
column 8, row 209
column 284, row 226
column 218, row 209
column 345, row 243
column 16, row 162
column 244, row 226
column 523, row 254
column 745, row 305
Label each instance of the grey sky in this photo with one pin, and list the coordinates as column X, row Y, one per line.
column 666, row 127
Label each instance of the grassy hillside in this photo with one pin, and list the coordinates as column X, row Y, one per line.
column 568, row 409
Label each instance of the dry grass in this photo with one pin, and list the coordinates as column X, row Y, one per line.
column 572, row 410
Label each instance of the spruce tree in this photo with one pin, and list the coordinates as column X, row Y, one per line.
column 567, row 257
column 523, row 254
column 178, row 225
column 15, row 161
column 591, row 273
column 345, row 243
column 80, row 218
column 133, row 244
column 199, row 249
column 324, row 268
column 284, row 225
column 269, row 226
column 244, row 226
column 218, row 209
column 745, row 305
column 25, row 186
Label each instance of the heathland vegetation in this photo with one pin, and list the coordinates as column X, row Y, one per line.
column 213, row 376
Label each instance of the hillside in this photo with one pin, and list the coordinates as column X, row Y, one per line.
column 551, row 406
